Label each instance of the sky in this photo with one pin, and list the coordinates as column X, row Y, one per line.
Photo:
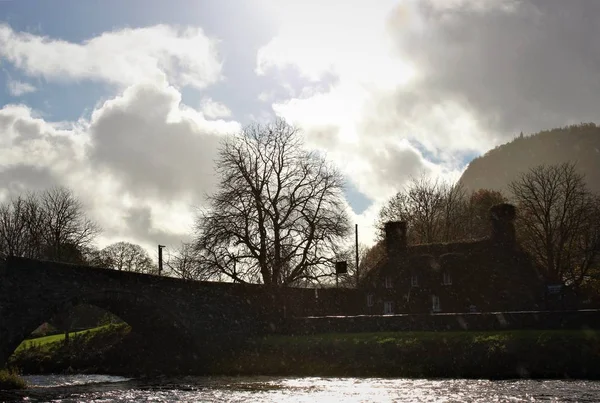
column 126, row 102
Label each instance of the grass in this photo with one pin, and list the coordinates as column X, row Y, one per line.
column 10, row 379
column 47, row 341
column 85, row 351
column 407, row 339
column 498, row 354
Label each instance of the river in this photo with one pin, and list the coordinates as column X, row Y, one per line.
column 102, row 388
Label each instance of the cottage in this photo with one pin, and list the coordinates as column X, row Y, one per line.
column 483, row 275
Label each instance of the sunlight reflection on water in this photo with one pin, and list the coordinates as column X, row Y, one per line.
column 100, row 388
column 70, row 380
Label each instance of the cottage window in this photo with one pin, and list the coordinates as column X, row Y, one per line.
column 370, row 300
column 435, row 303
column 388, row 308
column 447, row 280
column 388, row 282
column 414, row 280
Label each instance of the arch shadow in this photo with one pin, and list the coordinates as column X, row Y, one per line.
column 158, row 327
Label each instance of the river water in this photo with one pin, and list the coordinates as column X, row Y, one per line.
column 102, row 388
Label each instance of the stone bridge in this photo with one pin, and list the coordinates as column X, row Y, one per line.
column 196, row 316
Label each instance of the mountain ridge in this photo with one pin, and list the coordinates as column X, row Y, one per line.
column 503, row 164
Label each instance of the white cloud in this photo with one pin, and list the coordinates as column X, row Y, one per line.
column 156, row 145
column 213, row 109
column 28, row 140
column 473, row 5
column 141, row 163
column 17, row 88
column 143, row 160
column 182, row 56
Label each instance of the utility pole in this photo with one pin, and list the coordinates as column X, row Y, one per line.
column 160, row 259
column 356, row 252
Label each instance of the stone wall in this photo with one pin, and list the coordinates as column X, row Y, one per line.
column 540, row 320
column 302, row 302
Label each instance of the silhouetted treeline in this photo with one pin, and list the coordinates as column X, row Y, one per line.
column 53, row 225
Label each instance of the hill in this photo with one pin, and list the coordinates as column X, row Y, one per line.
column 498, row 167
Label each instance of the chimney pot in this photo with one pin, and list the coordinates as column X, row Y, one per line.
column 503, row 228
column 395, row 237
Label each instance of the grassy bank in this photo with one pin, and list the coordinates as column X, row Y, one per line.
column 48, row 342
column 11, row 380
column 87, row 351
column 510, row 354
column 111, row 349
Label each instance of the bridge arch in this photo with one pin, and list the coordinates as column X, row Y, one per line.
column 190, row 315
column 154, row 324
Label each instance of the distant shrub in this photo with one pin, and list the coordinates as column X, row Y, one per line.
column 10, row 379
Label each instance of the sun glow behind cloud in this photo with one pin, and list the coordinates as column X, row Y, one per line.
column 363, row 104
column 350, row 41
column 345, row 38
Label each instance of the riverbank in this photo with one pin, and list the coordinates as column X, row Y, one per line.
column 492, row 355
column 90, row 351
column 10, row 380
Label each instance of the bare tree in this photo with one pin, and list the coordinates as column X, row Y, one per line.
column 14, row 231
column 584, row 252
column 48, row 225
column 65, row 225
column 94, row 257
column 185, row 263
column 426, row 200
column 558, row 221
column 126, row 256
column 397, row 208
column 434, row 211
column 478, row 211
column 22, row 227
column 278, row 214
column 455, row 210
column 372, row 258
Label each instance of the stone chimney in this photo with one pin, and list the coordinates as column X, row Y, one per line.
column 502, row 218
column 395, row 237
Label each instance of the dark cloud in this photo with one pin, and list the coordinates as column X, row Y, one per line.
column 21, row 178
column 140, row 226
column 395, row 164
column 523, row 69
column 153, row 147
